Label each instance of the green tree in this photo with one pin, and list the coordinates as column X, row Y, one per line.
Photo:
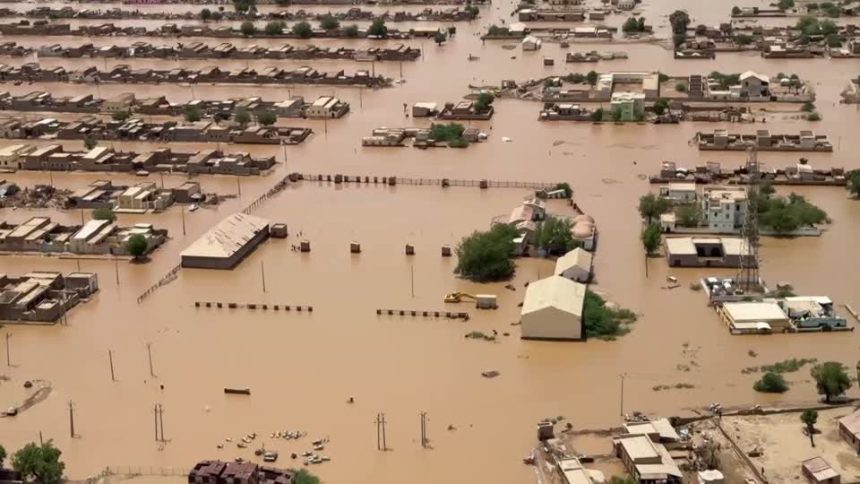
column 771, row 382
column 329, row 22
column 485, row 99
column 736, row 10
column 678, row 40
column 617, row 114
column 282, row 3
column 39, row 463
column 604, row 322
column 808, row 107
column 120, row 116
column 248, row 28
column 631, row 25
column 597, row 115
column 275, row 27
column 192, row 114
column 660, row 106
column 217, row 15
column 2, row 456
column 303, row 476
column 446, row 132
column 688, row 215
column 622, row 480
column 90, row 142
column 136, row 245
column 487, row 256
column 439, row 37
column 303, row 30
column 591, row 78
column 553, row 235
column 854, row 183
column 267, row 118
column 809, row 418
column 640, row 25
column 205, row 14
column 652, row 237
column 242, row 117
column 743, row 39
column 104, row 213
column 377, row 28
column 652, row 206
column 785, row 4
column 831, row 380
column 351, row 31
column 245, row 6
column 679, row 20
column 681, row 87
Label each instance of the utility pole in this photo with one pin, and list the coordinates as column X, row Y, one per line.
column 82, row 216
column 183, row 220
column 412, row 277
column 116, row 268
column 8, row 354
column 110, row 359
column 623, row 375
column 263, row 275
column 155, row 413
column 239, row 185
column 149, row 354
column 72, row 419
column 424, row 439
column 380, row 432
column 161, row 421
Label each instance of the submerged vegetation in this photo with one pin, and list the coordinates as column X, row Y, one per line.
column 604, row 322
column 487, row 256
column 786, row 366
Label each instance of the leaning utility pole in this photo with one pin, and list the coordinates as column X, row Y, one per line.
column 380, row 432
column 72, row 419
column 8, row 354
column 110, row 359
column 748, row 274
column 161, row 421
column 149, row 355
column 424, row 440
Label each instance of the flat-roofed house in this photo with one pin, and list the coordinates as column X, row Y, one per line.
column 849, row 429
column 226, row 244
column 552, row 310
column 754, row 317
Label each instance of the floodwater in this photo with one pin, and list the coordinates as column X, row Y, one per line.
column 303, row 367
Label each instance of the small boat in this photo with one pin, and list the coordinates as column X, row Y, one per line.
column 237, row 391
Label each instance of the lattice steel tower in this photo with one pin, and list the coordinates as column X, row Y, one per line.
column 748, row 275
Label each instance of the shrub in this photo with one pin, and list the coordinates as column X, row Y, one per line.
column 303, row 30
column 771, row 382
column 487, row 256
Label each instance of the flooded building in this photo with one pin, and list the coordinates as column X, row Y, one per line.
column 646, row 461
column 754, row 317
column 552, row 310
column 575, row 265
column 327, row 107
column 225, row 245
column 724, row 208
column 819, row 471
column 40, row 234
column 849, row 430
column 707, row 252
column 219, row 472
column 43, row 296
column 812, row 313
column 630, row 105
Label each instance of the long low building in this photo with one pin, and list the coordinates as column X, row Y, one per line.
column 707, row 252
column 754, row 317
column 552, row 310
column 225, row 245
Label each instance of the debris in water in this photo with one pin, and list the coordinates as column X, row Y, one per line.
column 505, row 139
column 490, row 374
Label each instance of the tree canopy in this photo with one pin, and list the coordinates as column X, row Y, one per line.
column 104, row 213
column 2, row 456
column 553, row 235
column 660, row 106
column 90, row 142
column 809, row 418
column 205, row 14
column 120, row 115
column 784, row 215
column 652, row 237
column 651, row 206
column 679, row 20
column 329, row 22
column 275, row 27
column 40, row 463
column 303, row 476
column 248, row 28
column 303, row 30
column 771, row 382
column 485, row 99
column 245, row 6
column 351, row 30
column 440, row 37
column 487, row 256
column 377, row 28
column 603, row 322
column 446, row 131
column 267, row 118
column 854, row 183
column 831, row 380
column 136, row 245
column 192, row 114
column 591, row 78
column 688, row 215
column 242, row 117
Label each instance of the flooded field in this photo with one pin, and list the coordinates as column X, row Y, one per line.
column 303, row 367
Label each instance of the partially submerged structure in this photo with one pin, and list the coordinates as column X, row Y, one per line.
column 43, row 296
column 754, row 317
column 42, row 235
column 707, row 252
column 220, row 472
column 553, row 309
column 575, row 265
column 225, row 245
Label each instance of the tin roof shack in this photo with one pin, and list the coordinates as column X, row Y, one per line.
column 707, row 252
column 466, row 110
column 575, row 265
column 813, row 313
column 646, row 461
column 43, row 296
column 327, row 107
column 218, row 472
column 818, row 471
column 552, row 310
column 849, row 430
column 225, row 245
column 754, row 317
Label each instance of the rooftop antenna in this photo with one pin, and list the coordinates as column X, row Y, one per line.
column 748, row 275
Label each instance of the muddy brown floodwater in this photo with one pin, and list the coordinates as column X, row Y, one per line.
column 303, row 367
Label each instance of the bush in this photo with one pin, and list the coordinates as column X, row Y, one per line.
column 591, row 78
column 808, row 107
column 602, row 322
column 216, row 15
column 303, row 30
column 242, row 117
column 90, row 142
column 678, row 40
column 484, row 101
column 275, row 27
column 771, row 382
column 205, row 14
column 439, row 37
column 487, row 256
column 785, row 4
column 495, row 30
column 831, row 380
column 854, row 183
column 553, row 235
column 248, row 28
column 351, row 31
column 378, row 28
column 244, row 6
column 267, row 118
column 104, row 214
column 679, row 20
column 743, row 39
column 736, row 10
column 681, row 87
column 660, row 106
column 597, row 115
column 329, row 22
column 120, row 115
column 192, row 114
column 447, row 132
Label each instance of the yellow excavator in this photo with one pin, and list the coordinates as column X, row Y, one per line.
column 456, row 297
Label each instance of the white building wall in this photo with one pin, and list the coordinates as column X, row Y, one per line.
column 551, row 323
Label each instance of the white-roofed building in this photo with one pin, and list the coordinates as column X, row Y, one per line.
column 552, row 310
column 575, row 265
column 226, row 244
column 572, row 472
column 754, row 317
column 647, row 461
column 658, row 430
column 707, row 252
column 683, row 192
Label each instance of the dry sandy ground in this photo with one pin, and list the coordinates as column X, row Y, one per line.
column 785, row 446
